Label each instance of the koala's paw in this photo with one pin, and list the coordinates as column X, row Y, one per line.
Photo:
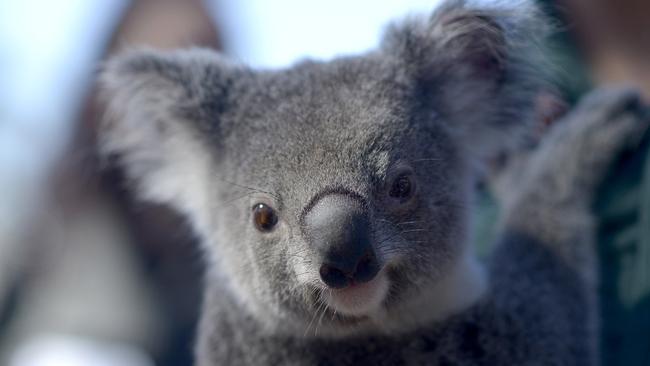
column 575, row 156
column 557, row 183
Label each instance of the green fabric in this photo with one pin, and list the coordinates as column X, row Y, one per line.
column 484, row 222
column 623, row 211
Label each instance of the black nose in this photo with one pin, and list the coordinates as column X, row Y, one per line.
column 339, row 230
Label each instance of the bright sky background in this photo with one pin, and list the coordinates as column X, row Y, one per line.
column 273, row 33
column 47, row 53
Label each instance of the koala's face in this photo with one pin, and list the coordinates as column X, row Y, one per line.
column 329, row 192
column 340, row 197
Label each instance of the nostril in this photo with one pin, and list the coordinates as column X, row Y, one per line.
column 333, row 277
column 367, row 269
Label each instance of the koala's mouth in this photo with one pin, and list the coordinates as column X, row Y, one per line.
column 359, row 300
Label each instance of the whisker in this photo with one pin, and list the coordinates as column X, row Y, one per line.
column 229, row 201
column 409, row 222
column 310, row 322
column 413, row 231
column 320, row 320
column 250, row 188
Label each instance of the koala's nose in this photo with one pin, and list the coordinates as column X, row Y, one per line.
column 339, row 229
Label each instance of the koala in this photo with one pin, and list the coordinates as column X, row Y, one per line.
column 332, row 199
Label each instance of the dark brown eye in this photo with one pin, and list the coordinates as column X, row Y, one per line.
column 264, row 217
column 402, row 187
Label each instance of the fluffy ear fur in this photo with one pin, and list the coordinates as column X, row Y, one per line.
column 479, row 67
column 162, row 116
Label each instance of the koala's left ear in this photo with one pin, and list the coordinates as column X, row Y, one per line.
column 480, row 67
column 163, row 121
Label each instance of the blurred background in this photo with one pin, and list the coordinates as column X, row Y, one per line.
column 90, row 276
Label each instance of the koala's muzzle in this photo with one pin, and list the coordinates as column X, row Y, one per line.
column 339, row 230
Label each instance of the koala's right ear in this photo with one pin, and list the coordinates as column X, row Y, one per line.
column 163, row 121
column 479, row 66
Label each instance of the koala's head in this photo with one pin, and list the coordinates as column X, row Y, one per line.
column 332, row 192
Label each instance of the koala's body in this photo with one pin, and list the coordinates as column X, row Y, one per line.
column 332, row 198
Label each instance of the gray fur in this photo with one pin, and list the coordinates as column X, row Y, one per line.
column 214, row 138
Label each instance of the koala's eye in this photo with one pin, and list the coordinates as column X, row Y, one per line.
column 264, row 217
column 402, row 187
